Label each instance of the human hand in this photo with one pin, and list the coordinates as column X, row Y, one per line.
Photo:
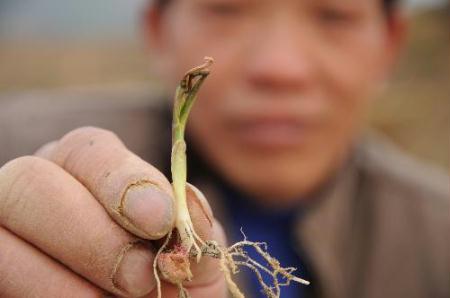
column 75, row 221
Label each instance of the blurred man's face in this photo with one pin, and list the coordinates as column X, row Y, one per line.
column 291, row 82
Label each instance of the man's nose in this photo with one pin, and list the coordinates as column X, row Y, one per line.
column 280, row 58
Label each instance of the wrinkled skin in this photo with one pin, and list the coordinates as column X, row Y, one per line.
column 85, row 206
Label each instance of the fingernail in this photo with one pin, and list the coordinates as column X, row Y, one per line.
column 202, row 200
column 149, row 209
column 135, row 271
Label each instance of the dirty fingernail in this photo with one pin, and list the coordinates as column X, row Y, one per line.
column 149, row 209
column 134, row 274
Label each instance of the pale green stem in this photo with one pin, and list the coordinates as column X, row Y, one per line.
column 185, row 97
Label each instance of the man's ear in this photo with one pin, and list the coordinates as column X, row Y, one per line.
column 152, row 27
column 397, row 34
column 155, row 31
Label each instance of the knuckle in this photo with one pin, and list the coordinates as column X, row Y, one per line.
column 77, row 142
column 14, row 168
column 46, row 150
column 14, row 177
column 88, row 133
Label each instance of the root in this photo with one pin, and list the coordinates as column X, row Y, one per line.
column 228, row 267
column 196, row 242
column 182, row 292
column 235, row 256
column 195, row 251
column 155, row 264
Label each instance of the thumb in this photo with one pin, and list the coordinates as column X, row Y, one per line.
column 200, row 211
column 208, row 228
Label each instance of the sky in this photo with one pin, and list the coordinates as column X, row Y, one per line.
column 83, row 19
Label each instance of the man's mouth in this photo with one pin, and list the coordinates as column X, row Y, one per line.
column 272, row 133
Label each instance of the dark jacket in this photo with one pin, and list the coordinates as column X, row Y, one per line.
column 380, row 229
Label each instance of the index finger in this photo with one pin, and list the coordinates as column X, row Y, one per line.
column 132, row 191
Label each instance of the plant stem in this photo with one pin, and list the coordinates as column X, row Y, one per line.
column 185, row 96
column 189, row 243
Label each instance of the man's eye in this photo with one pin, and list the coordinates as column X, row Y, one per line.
column 224, row 9
column 335, row 16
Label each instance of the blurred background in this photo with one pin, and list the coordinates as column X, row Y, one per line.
column 64, row 45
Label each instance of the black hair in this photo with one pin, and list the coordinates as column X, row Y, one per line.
column 388, row 5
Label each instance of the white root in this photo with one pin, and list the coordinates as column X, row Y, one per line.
column 235, row 256
column 155, row 264
column 225, row 268
column 191, row 239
